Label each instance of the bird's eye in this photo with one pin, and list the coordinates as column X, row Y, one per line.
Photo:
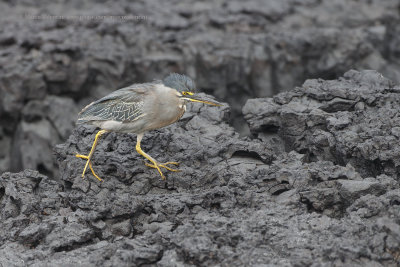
column 187, row 93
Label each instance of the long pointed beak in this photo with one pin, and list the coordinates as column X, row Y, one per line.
column 202, row 101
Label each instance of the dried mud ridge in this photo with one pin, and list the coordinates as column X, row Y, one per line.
column 316, row 185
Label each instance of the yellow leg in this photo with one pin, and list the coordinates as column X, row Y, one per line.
column 89, row 157
column 90, row 166
column 141, row 152
column 155, row 164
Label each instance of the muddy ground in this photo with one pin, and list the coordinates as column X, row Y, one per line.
column 317, row 184
column 305, row 177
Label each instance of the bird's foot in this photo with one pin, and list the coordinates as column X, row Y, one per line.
column 90, row 166
column 163, row 165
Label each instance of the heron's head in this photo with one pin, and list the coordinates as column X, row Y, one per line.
column 185, row 86
column 182, row 83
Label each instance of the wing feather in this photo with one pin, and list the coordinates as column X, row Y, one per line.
column 123, row 105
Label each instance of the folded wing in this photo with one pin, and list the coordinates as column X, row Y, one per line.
column 123, row 105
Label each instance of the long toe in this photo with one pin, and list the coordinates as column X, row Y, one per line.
column 171, row 162
column 81, row 156
column 156, row 167
column 164, row 165
column 168, row 168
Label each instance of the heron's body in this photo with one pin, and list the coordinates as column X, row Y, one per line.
column 140, row 108
column 126, row 115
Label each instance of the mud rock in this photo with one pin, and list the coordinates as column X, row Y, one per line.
column 352, row 120
column 235, row 202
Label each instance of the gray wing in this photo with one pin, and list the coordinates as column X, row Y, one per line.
column 123, row 105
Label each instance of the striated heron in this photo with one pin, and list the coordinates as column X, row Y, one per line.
column 140, row 108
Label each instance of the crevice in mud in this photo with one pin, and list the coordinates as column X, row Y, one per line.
column 35, row 189
column 215, row 206
column 334, row 108
column 73, row 208
column 395, row 202
column 175, row 225
column 124, row 217
column 17, row 203
column 376, row 167
column 269, row 128
column 67, row 185
column 278, row 189
column 309, row 205
column 73, row 246
column 33, row 244
column 2, row 193
column 246, row 154
column 369, row 168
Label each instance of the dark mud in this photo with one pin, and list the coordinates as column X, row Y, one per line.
column 315, row 185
